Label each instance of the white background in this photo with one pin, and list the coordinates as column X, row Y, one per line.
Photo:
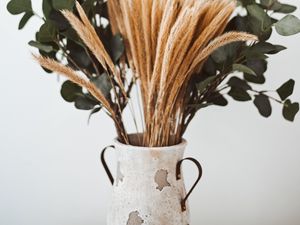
column 50, row 172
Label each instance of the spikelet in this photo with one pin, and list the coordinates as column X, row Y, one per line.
column 66, row 71
column 90, row 38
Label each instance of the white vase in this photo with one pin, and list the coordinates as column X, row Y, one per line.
column 148, row 188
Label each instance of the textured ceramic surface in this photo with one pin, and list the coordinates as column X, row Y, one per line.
column 146, row 191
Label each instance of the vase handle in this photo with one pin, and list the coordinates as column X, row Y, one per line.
column 103, row 161
column 178, row 177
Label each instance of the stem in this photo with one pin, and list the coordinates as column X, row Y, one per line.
column 223, row 88
column 94, row 64
column 270, row 97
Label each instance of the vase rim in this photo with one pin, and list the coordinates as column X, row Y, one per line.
column 119, row 145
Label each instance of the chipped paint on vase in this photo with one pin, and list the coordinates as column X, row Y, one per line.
column 146, row 191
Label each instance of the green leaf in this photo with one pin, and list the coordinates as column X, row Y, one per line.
column 267, row 3
column 252, row 55
column 242, row 68
column 217, row 99
column 259, row 19
column 204, row 84
column 287, row 26
column 239, row 83
column 286, row 89
column 210, row 67
column 47, row 32
column 256, row 12
column 117, row 47
column 84, row 103
column 95, row 110
column 263, row 105
column 259, row 66
column 63, row 4
column 47, row 8
column 103, row 83
column 42, row 47
column 78, row 55
column 225, row 55
column 19, row 6
column 239, row 94
column 70, row 91
column 200, row 106
column 290, row 110
column 246, row 2
column 266, row 48
column 72, row 35
column 260, row 79
column 25, row 19
column 88, row 5
column 219, row 55
column 285, row 8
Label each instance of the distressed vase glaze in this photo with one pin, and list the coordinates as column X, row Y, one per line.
column 147, row 189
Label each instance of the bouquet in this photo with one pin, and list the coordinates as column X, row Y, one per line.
column 163, row 59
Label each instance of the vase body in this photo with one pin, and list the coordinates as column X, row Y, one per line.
column 146, row 190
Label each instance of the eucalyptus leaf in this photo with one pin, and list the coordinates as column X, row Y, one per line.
column 19, row 6
column 267, row 3
column 47, row 32
column 47, row 8
column 259, row 79
column 225, row 56
column 209, row 67
column 103, row 83
column 285, row 8
column 266, row 48
column 239, row 94
column 59, row 20
column 219, row 55
column 88, row 5
column 254, row 55
column 239, row 83
column 204, row 84
column 117, row 47
column 70, row 91
column 78, row 55
column 95, row 110
column 42, row 47
column 260, row 20
column 63, row 4
column 72, row 35
column 84, row 103
column 200, row 106
column 259, row 66
column 217, row 99
column 243, row 68
column 25, row 19
column 290, row 110
column 286, row 89
column 287, row 26
column 246, row 2
column 263, row 105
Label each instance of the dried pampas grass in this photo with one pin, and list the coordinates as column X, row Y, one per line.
column 166, row 41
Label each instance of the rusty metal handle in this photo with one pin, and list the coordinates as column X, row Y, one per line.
column 178, row 177
column 103, row 161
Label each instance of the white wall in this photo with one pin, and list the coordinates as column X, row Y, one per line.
column 50, row 172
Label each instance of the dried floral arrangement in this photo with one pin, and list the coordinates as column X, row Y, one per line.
column 179, row 55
